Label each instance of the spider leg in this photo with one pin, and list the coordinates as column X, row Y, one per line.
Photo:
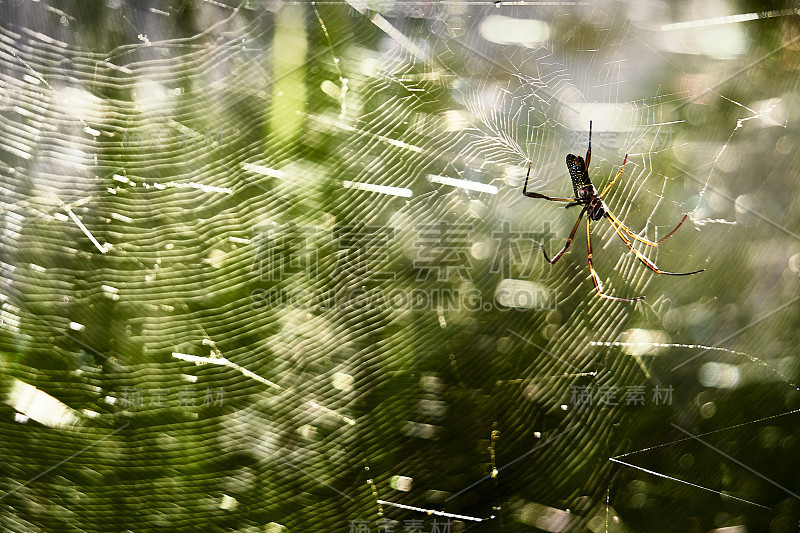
column 648, row 263
column 569, row 240
column 536, row 194
column 624, row 228
column 621, row 169
column 597, row 285
column 589, row 151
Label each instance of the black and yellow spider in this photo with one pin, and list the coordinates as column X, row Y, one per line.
column 595, row 208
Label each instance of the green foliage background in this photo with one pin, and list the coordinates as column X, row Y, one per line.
column 152, row 125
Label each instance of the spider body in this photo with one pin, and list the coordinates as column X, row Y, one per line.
column 595, row 209
column 594, row 206
column 585, row 193
column 579, row 174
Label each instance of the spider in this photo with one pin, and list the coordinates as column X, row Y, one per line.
column 595, row 208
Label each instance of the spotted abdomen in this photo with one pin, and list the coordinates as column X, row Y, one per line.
column 578, row 174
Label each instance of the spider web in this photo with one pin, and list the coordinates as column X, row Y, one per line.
column 268, row 267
